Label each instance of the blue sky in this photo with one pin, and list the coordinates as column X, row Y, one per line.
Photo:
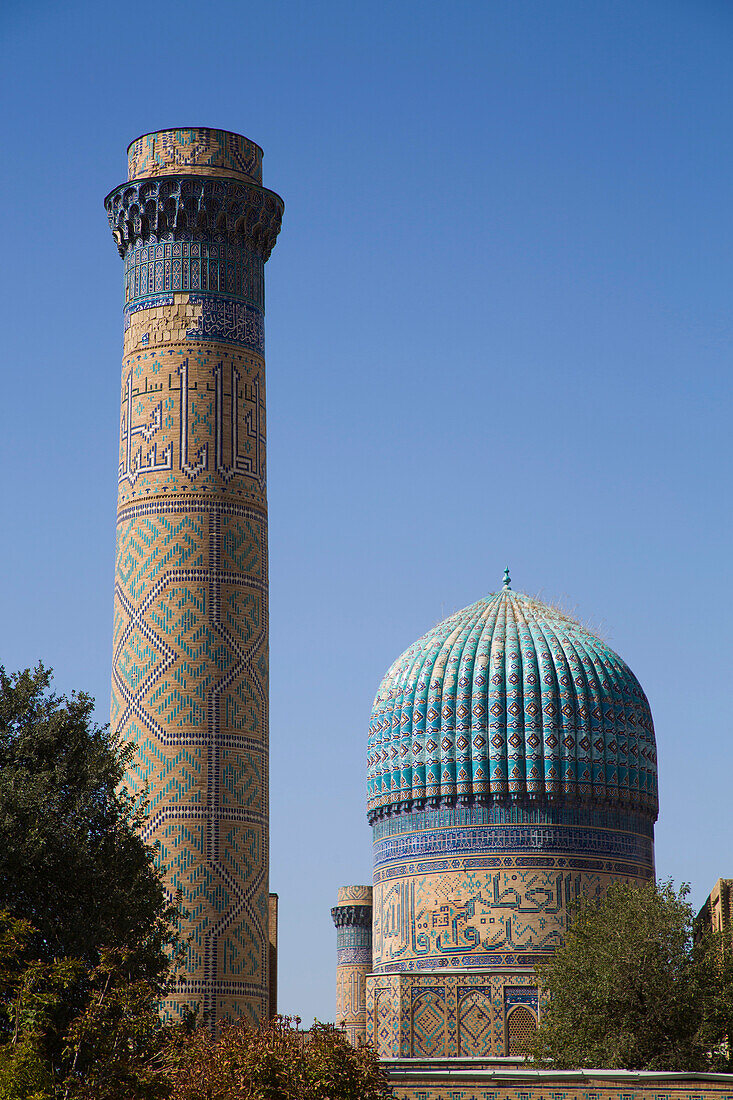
column 499, row 327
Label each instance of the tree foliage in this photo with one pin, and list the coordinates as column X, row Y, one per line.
column 634, row 988
column 87, row 938
column 72, row 862
column 108, row 1048
column 275, row 1062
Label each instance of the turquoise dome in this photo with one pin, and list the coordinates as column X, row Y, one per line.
column 510, row 700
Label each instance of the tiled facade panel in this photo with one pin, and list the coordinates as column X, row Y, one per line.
column 192, row 415
column 190, row 658
column 351, row 1001
column 470, row 916
column 478, row 895
column 474, row 1024
column 190, row 691
column 214, row 267
column 445, row 1015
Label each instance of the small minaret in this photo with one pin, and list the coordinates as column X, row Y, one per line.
column 194, row 226
column 353, row 919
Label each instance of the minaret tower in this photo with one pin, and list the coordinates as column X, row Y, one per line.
column 194, row 227
column 352, row 916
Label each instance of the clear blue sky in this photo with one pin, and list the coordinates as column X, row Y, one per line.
column 499, row 323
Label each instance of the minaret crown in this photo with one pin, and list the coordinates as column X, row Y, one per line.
column 197, row 151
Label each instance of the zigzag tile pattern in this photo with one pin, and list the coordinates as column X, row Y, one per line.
column 190, row 692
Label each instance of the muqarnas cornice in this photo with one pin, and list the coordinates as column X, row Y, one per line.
column 352, row 915
column 182, row 207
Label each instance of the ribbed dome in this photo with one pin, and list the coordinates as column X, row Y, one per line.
column 510, row 700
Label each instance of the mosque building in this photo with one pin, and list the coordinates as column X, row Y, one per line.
column 511, row 769
column 511, row 763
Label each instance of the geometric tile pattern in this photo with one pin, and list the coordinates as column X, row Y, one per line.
column 190, row 643
column 429, row 1024
column 474, row 1024
column 383, row 1032
column 445, row 1015
column 351, row 1002
column 510, row 699
column 521, row 1025
column 215, row 267
column 190, row 691
column 199, row 151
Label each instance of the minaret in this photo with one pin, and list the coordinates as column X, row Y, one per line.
column 352, row 916
column 194, row 227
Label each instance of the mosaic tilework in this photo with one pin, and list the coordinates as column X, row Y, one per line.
column 495, row 839
column 510, row 699
column 190, row 660
column 353, row 919
column 465, row 898
column 203, row 318
column 190, row 691
column 216, row 266
column 468, row 893
column 439, row 1015
column 429, row 1023
column 475, row 1023
column 595, row 816
column 198, row 150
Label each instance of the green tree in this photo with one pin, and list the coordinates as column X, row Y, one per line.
column 634, row 988
column 72, row 862
column 113, row 1044
column 116, row 1046
column 275, row 1062
column 30, row 992
column 87, row 937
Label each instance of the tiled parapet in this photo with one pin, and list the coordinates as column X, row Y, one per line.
column 190, row 660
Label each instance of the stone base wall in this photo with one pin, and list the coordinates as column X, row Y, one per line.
column 422, row 1082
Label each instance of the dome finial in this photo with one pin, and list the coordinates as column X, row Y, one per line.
column 507, row 578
